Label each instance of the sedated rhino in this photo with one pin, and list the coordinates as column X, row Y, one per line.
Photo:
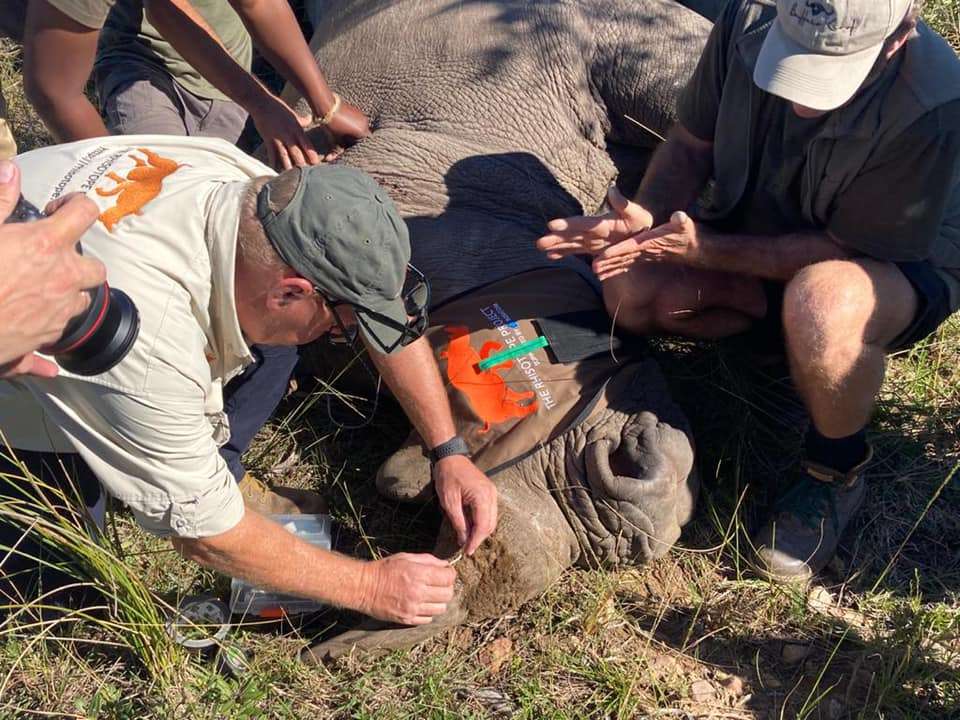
column 490, row 118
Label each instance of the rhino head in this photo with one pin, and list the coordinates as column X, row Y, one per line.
column 614, row 489
column 490, row 118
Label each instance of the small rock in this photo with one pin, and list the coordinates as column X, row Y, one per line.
column 733, row 684
column 794, row 653
column 664, row 665
column 820, row 599
column 702, row 691
column 772, row 682
column 496, row 654
column 494, row 701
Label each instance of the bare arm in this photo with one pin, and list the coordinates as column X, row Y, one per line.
column 467, row 495
column 196, row 41
column 677, row 173
column 274, row 29
column 410, row 589
column 58, row 55
column 778, row 257
column 413, row 377
column 278, row 125
column 681, row 241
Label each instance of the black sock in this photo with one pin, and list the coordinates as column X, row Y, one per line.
column 840, row 454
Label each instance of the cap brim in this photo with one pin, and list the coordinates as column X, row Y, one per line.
column 814, row 80
column 380, row 323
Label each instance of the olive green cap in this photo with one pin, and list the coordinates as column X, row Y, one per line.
column 341, row 231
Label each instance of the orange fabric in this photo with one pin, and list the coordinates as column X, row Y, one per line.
column 489, row 396
column 142, row 184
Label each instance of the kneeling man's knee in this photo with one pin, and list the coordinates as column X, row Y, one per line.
column 826, row 307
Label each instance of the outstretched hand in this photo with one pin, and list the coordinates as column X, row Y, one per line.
column 469, row 499
column 593, row 234
column 674, row 241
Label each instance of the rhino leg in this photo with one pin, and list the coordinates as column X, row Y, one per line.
column 405, row 476
column 532, row 546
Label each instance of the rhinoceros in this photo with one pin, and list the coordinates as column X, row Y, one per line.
column 490, row 118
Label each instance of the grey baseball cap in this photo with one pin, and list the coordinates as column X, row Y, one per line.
column 341, row 231
column 818, row 52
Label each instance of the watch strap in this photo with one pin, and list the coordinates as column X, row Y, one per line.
column 454, row 446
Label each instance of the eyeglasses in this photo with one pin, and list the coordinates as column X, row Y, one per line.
column 416, row 301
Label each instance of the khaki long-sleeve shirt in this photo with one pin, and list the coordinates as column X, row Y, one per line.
column 150, row 427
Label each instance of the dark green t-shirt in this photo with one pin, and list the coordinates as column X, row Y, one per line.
column 894, row 208
column 128, row 35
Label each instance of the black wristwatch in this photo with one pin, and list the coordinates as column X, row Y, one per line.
column 454, row 446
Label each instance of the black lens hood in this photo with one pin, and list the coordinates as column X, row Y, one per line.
column 110, row 342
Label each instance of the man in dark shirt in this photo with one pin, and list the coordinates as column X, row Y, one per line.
column 832, row 134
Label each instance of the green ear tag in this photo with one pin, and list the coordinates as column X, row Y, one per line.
column 523, row 348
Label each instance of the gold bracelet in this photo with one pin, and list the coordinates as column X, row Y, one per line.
column 325, row 120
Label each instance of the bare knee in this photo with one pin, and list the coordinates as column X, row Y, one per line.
column 827, row 308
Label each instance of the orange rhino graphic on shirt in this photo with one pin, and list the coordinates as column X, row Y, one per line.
column 489, row 396
column 141, row 185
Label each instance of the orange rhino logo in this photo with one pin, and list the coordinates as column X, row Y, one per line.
column 489, row 395
column 141, row 185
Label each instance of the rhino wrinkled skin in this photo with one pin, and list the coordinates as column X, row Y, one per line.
column 489, row 119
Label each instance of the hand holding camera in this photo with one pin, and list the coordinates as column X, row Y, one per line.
column 53, row 298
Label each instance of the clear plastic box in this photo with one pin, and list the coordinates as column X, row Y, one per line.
column 245, row 599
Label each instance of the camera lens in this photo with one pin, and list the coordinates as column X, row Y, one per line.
column 99, row 337
column 108, row 341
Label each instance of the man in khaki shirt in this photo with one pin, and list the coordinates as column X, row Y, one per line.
column 147, row 85
column 218, row 253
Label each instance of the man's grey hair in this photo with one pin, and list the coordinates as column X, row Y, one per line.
column 253, row 247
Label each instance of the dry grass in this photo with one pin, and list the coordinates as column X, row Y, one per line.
column 693, row 635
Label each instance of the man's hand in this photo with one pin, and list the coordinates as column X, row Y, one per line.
column 283, row 135
column 44, row 278
column 594, row 234
column 675, row 241
column 408, row 589
column 469, row 499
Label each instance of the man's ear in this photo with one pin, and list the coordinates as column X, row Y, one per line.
column 899, row 38
column 287, row 291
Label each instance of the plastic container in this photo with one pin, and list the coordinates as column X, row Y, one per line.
column 245, row 599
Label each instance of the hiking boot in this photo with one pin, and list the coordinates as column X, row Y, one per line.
column 808, row 521
column 267, row 500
